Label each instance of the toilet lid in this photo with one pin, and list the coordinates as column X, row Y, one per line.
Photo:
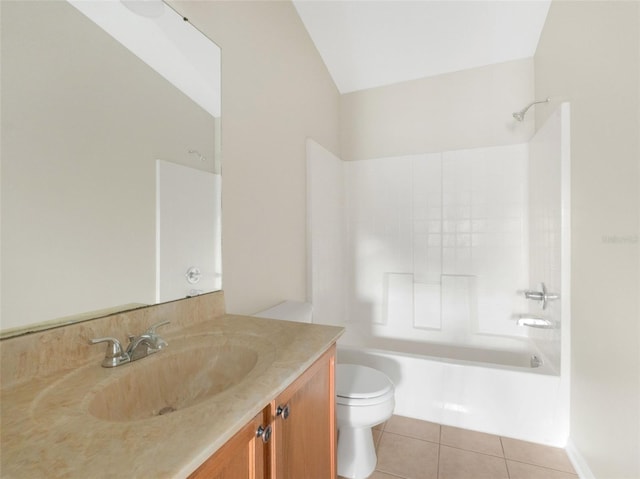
column 355, row 381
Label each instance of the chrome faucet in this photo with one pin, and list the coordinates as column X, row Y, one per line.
column 541, row 295
column 145, row 344
column 139, row 347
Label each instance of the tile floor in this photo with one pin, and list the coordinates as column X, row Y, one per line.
column 412, row 449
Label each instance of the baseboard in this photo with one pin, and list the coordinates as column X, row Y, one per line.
column 578, row 462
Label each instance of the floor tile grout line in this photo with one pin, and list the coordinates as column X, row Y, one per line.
column 388, row 474
column 531, row 463
column 504, row 459
column 439, row 441
column 448, row 445
column 394, row 474
column 471, row 450
column 542, row 467
column 413, row 437
column 504, row 455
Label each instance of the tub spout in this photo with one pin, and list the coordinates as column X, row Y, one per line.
column 535, row 322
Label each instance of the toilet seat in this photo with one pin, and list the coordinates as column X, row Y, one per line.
column 361, row 386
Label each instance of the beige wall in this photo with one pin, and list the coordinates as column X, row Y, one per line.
column 465, row 109
column 589, row 55
column 276, row 92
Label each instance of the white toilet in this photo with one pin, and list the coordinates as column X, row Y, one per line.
column 364, row 398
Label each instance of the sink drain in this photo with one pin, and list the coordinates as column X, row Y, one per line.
column 166, row 410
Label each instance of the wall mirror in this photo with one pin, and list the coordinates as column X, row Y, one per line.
column 110, row 178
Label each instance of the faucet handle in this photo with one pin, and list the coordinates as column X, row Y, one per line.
column 114, row 347
column 153, row 327
column 114, row 355
column 541, row 295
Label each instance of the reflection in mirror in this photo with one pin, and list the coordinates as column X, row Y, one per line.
column 110, row 176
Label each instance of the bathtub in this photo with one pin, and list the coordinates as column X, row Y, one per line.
column 496, row 392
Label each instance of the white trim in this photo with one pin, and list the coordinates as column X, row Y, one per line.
column 578, row 461
column 309, row 144
column 565, row 263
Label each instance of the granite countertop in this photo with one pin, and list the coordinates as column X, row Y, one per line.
column 62, row 425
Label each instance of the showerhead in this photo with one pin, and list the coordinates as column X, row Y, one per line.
column 519, row 115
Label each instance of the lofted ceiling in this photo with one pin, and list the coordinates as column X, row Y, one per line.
column 366, row 44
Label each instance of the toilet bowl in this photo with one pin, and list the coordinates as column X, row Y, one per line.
column 364, row 398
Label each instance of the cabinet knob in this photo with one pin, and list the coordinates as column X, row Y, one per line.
column 283, row 411
column 264, row 433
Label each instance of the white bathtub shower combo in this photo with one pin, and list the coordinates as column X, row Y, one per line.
column 425, row 260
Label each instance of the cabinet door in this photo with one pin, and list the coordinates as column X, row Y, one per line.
column 242, row 457
column 304, row 425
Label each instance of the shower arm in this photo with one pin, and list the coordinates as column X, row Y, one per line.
column 519, row 115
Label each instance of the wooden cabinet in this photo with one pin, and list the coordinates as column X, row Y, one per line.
column 244, row 456
column 302, row 442
column 304, row 427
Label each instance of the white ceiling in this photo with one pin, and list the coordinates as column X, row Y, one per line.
column 366, row 44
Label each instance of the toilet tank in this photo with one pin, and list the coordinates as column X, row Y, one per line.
column 298, row 311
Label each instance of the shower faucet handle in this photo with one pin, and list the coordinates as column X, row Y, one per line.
column 542, row 295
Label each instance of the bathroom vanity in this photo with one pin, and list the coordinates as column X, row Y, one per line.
column 294, row 436
column 229, row 397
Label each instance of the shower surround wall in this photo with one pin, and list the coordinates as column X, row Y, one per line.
column 549, row 234
column 389, row 302
column 422, row 258
column 434, row 247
